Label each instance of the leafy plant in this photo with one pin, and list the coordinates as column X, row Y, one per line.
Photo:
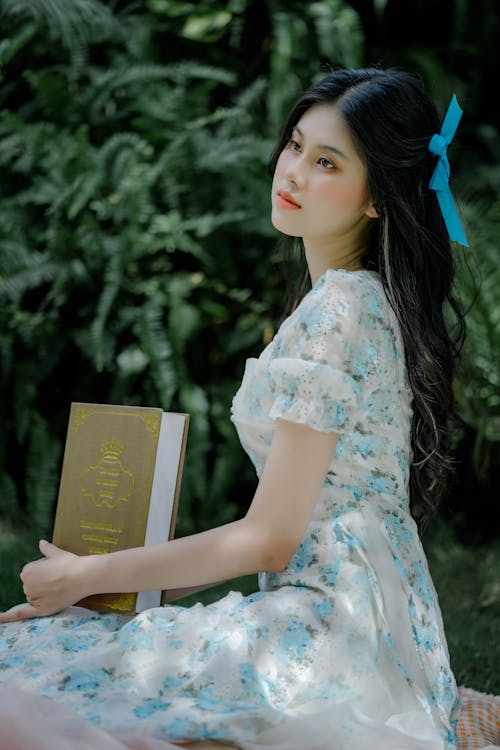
column 137, row 259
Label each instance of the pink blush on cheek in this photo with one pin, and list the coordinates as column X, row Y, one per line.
column 346, row 196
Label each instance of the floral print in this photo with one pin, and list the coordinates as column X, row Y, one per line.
column 345, row 647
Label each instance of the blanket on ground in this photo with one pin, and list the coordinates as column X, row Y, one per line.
column 52, row 726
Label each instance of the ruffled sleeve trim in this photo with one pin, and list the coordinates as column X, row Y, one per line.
column 312, row 393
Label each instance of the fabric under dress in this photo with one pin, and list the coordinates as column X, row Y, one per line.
column 342, row 650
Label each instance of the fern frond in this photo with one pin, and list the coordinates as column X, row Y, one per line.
column 42, row 475
column 78, row 21
column 112, row 282
column 252, row 95
column 11, row 46
column 171, row 232
column 124, row 141
column 183, row 72
column 14, row 256
column 138, row 76
column 194, row 400
column 205, row 224
column 157, row 348
column 42, row 269
column 478, row 378
column 9, row 501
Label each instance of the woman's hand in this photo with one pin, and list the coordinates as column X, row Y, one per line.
column 50, row 584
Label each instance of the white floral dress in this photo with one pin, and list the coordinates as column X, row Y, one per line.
column 342, row 650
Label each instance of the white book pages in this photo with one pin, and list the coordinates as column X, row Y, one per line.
column 163, row 492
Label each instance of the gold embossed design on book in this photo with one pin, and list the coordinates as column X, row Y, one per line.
column 106, row 481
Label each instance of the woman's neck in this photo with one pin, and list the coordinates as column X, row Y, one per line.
column 319, row 264
column 346, row 253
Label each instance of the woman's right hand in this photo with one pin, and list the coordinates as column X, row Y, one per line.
column 51, row 584
column 19, row 612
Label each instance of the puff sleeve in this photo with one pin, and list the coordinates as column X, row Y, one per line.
column 314, row 378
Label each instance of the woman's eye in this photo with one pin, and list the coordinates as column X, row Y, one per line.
column 294, row 144
column 326, row 163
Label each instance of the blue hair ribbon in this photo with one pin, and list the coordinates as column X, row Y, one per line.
column 441, row 175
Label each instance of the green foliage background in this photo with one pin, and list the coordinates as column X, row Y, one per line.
column 137, row 260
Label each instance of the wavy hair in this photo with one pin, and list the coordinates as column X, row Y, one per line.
column 391, row 120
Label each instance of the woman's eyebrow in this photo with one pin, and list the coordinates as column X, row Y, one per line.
column 323, row 145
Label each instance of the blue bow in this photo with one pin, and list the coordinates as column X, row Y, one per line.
column 441, row 175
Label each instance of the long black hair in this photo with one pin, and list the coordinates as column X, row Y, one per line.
column 391, row 120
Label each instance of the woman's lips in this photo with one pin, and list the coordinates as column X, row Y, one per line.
column 285, row 200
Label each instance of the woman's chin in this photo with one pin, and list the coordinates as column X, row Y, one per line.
column 282, row 225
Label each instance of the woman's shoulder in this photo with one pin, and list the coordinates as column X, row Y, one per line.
column 332, row 316
column 345, row 320
column 342, row 298
column 354, row 286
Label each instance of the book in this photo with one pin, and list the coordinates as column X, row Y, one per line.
column 120, row 483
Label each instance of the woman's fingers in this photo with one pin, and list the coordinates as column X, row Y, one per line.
column 19, row 612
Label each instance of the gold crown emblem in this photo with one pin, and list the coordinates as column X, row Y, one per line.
column 112, row 448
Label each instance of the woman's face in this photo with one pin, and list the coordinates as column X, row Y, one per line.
column 319, row 185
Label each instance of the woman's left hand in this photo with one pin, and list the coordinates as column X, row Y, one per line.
column 50, row 584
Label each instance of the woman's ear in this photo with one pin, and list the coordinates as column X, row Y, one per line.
column 372, row 212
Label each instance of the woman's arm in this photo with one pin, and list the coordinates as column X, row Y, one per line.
column 264, row 539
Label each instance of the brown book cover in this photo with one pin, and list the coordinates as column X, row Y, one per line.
column 119, row 488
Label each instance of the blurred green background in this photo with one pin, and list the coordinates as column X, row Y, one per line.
column 138, row 263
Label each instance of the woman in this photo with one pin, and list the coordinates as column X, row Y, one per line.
column 345, row 418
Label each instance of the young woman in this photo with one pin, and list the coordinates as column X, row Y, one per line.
column 345, row 417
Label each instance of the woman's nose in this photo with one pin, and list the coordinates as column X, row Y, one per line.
column 295, row 171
